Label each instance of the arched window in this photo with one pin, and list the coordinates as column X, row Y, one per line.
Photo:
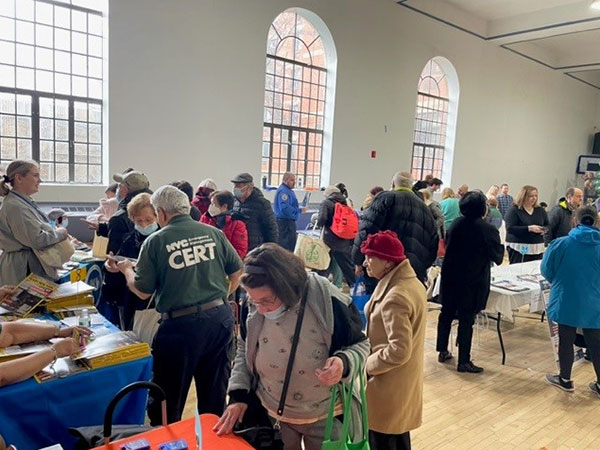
column 435, row 121
column 298, row 94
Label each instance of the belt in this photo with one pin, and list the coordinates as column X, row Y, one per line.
column 192, row 309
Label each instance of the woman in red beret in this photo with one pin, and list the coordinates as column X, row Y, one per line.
column 396, row 328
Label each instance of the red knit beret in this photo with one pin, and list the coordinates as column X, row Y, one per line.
column 384, row 245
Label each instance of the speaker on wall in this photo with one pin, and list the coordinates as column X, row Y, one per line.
column 596, row 146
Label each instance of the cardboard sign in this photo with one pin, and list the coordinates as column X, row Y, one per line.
column 78, row 275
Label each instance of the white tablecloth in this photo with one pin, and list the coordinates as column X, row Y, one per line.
column 504, row 301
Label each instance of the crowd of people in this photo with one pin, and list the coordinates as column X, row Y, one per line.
column 191, row 252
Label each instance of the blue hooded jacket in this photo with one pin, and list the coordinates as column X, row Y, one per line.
column 286, row 204
column 572, row 265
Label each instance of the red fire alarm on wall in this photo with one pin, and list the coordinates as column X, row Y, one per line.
column 373, row 153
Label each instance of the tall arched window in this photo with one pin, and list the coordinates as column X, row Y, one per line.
column 298, row 87
column 435, row 121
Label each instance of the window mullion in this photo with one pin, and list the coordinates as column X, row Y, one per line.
column 35, row 128
column 71, row 141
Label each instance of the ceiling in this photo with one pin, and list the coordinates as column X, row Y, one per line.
column 563, row 35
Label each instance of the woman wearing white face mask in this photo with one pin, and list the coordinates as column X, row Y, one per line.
column 331, row 348
column 117, row 302
column 219, row 216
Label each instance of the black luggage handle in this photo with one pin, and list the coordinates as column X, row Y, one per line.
column 153, row 388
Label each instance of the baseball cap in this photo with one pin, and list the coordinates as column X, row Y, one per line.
column 135, row 181
column 243, row 178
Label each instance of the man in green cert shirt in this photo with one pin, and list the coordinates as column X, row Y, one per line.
column 190, row 268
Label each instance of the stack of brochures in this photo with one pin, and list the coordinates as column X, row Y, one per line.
column 114, row 348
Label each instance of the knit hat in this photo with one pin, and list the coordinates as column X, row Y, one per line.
column 208, row 183
column 331, row 190
column 384, row 245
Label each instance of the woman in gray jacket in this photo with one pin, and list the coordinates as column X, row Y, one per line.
column 331, row 348
column 24, row 227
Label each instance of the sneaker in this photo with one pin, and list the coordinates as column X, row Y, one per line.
column 556, row 380
column 595, row 388
column 444, row 356
column 469, row 368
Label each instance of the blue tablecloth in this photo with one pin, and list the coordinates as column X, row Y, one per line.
column 34, row 415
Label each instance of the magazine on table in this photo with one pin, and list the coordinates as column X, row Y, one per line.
column 510, row 286
column 71, row 289
column 108, row 344
column 532, row 278
column 61, row 368
column 17, row 351
column 30, row 293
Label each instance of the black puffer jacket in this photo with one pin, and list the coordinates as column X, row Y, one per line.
column 119, row 224
column 560, row 221
column 256, row 212
column 404, row 213
column 325, row 219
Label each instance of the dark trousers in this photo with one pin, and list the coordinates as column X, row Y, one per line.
column 287, row 233
column 193, row 346
column 514, row 257
column 566, row 339
column 466, row 319
column 381, row 441
column 344, row 261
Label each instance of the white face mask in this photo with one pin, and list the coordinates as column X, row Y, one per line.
column 277, row 314
column 214, row 210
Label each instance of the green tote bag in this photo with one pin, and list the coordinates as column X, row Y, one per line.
column 345, row 441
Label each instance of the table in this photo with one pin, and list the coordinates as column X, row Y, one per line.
column 304, row 219
column 185, row 430
column 34, row 415
column 502, row 303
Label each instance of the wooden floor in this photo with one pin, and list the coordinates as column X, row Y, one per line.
column 507, row 407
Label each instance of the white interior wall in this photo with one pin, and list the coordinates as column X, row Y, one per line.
column 186, row 84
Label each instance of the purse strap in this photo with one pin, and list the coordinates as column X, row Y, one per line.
column 290, row 364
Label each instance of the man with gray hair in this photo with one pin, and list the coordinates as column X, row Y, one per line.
column 402, row 211
column 561, row 216
column 190, row 268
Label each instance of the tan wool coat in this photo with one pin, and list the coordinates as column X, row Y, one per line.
column 396, row 328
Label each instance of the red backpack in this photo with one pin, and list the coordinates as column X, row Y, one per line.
column 345, row 222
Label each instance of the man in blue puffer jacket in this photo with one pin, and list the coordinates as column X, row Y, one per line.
column 572, row 265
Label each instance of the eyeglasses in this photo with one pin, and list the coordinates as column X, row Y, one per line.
column 267, row 302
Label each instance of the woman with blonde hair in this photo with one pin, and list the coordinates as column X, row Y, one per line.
column 118, row 303
column 526, row 224
column 24, row 227
column 449, row 207
column 493, row 191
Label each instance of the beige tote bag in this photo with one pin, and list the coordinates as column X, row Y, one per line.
column 313, row 251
